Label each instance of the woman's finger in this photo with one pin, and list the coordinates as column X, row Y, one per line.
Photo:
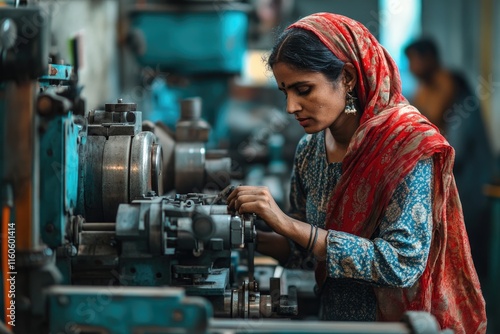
column 246, row 190
column 252, row 204
column 241, row 199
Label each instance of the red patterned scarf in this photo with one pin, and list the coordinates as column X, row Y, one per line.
column 392, row 137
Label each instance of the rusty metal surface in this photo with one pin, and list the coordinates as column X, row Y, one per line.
column 22, row 151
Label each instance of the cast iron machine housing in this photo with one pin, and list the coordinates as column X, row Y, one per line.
column 181, row 241
column 119, row 162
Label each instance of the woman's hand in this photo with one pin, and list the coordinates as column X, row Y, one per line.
column 258, row 200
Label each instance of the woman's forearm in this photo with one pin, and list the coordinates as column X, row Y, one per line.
column 303, row 234
column 274, row 245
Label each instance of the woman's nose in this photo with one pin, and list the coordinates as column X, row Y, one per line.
column 292, row 105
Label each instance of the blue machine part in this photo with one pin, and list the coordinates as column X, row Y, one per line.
column 146, row 310
column 58, row 177
column 153, row 271
column 56, row 73
column 122, row 310
column 192, row 42
column 214, row 93
column 165, row 104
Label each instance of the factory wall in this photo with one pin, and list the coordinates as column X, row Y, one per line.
column 95, row 23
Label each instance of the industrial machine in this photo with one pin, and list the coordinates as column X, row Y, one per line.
column 186, row 48
column 98, row 247
column 119, row 162
column 188, row 164
column 108, row 162
column 197, row 46
column 183, row 241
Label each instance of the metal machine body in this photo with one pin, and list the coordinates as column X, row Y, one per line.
column 197, row 168
column 133, row 310
column 60, row 140
column 189, row 165
column 196, row 65
column 226, row 22
column 109, row 309
column 120, row 162
column 23, row 59
column 181, row 241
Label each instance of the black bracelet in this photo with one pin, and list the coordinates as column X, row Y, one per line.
column 310, row 237
column 314, row 242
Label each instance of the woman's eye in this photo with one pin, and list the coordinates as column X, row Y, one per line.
column 303, row 90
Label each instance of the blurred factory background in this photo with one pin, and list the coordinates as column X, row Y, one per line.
column 123, row 124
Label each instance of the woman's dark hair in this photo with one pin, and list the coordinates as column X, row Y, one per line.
column 303, row 50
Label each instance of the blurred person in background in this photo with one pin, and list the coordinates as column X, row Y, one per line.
column 446, row 99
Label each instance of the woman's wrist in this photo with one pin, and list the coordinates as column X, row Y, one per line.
column 274, row 245
column 283, row 226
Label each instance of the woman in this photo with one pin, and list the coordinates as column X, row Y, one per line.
column 373, row 194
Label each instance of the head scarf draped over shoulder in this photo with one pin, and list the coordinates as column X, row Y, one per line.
column 392, row 137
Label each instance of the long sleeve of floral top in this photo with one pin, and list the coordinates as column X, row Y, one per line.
column 397, row 255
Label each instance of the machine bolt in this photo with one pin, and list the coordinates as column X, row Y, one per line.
column 120, row 100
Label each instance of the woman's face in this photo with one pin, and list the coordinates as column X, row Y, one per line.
column 315, row 101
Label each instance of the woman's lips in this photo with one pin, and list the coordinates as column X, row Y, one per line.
column 303, row 121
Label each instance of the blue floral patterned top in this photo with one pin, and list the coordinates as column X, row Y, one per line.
column 395, row 257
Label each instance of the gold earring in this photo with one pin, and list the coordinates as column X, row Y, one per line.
column 350, row 107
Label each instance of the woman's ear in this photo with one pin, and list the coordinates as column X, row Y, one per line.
column 350, row 76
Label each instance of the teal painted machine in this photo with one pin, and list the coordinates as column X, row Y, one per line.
column 59, row 145
column 198, row 47
column 191, row 39
column 123, row 310
column 58, row 177
column 134, row 310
